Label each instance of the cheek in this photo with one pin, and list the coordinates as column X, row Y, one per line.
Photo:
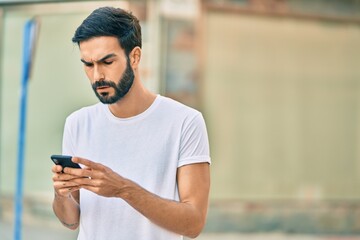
column 88, row 73
column 120, row 72
column 113, row 74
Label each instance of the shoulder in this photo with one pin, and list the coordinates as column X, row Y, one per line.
column 85, row 113
column 177, row 109
column 174, row 113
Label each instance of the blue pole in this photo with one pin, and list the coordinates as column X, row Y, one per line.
column 27, row 53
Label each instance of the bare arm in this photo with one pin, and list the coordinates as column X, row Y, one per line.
column 66, row 199
column 186, row 217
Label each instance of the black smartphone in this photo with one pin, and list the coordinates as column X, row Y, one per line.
column 64, row 161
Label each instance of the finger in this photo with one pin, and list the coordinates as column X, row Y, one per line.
column 86, row 181
column 65, row 192
column 79, row 173
column 56, row 169
column 88, row 163
column 65, row 184
column 74, row 171
column 93, row 189
column 56, row 177
column 65, row 188
column 63, row 177
column 73, row 189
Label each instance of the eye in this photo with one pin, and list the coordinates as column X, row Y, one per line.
column 88, row 64
column 108, row 62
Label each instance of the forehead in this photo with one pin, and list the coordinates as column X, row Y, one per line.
column 97, row 47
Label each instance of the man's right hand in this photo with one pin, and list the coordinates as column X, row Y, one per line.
column 62, row 182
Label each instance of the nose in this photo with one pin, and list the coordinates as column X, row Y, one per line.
column 98, row 73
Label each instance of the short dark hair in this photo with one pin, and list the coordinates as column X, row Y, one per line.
column 109, row 21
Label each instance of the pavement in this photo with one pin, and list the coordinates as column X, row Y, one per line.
column 270, row 236
column 31, row 232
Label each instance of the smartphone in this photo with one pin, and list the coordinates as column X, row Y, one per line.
column 64, row 161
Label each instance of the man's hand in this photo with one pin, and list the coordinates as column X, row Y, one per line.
column 186, row 217
column 66, row 201
column 96, row 178
column 63, row 183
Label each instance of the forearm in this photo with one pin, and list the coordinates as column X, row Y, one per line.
column 179, row 217
column 67, row 210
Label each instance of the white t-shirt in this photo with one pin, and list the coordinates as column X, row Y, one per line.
column 147, row 149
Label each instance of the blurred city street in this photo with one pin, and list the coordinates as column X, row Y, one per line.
column 276, row 81
column 59, row 233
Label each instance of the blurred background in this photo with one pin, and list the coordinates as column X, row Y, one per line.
column 278, row 82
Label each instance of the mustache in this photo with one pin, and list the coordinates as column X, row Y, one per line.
column 103, row 83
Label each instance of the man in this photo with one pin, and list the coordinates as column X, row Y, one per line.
column 145, row 158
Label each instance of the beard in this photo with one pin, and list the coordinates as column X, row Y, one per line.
column 121, row 88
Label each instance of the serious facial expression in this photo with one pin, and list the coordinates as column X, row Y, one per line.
column 107, row 67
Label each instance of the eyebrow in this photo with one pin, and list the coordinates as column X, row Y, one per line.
column 100, row 60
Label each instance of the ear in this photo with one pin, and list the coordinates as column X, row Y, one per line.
column 135, row 56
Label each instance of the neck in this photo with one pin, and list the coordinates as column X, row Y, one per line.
column 136, row 101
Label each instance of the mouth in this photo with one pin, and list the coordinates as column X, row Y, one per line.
column 102, row 87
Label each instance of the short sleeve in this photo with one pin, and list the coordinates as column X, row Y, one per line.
column 194, row 144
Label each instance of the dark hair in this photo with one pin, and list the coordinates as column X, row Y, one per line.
column 109, row 21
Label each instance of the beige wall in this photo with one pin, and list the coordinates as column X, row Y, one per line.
column 53, row 93
column 282, row 106
column 281, row 100
column 57, row 87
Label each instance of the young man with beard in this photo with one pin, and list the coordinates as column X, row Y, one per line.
column 145, row 158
